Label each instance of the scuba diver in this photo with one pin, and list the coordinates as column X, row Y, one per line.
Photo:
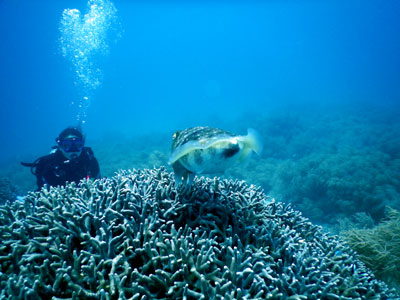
column 70, row 161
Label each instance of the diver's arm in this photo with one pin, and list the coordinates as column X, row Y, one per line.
column 40, row 181
column 95, row 169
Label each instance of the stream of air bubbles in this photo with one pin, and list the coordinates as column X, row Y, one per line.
column 84, row 40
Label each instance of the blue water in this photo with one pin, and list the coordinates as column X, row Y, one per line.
column 186, row 63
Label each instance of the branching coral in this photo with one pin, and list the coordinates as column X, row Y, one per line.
column 379, row 247
column 135, row 236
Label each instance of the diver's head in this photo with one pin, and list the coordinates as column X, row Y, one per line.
column 71, row 142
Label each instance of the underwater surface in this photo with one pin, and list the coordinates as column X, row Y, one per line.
column 318, row 80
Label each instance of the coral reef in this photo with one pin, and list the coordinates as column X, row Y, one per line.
column 378, row 247
column 350, row 181
column 7, row 190
column 329, row 165
column 135, row 236
column 19, row 176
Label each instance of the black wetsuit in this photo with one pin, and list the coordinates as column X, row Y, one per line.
column 54, row 169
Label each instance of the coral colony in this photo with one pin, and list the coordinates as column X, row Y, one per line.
column 138, row 236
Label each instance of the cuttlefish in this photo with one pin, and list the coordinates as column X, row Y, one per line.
column 207, row 150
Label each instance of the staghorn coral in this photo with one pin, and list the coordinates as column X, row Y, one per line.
column 135, row 236
column 379, row 247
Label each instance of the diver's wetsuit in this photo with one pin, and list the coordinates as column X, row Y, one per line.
column 54, row 169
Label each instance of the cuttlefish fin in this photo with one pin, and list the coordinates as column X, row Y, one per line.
column 251, row 142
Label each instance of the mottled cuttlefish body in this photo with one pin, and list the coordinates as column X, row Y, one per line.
column 206, row 150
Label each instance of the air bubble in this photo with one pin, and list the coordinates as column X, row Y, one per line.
column 83, row 40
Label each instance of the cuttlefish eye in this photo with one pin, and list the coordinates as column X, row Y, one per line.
column 231, row 150
column 175, row 135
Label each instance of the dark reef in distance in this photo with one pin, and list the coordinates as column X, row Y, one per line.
column 8, row 192
column 135, row 236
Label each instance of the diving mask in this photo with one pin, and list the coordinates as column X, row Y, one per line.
column 71, row 145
